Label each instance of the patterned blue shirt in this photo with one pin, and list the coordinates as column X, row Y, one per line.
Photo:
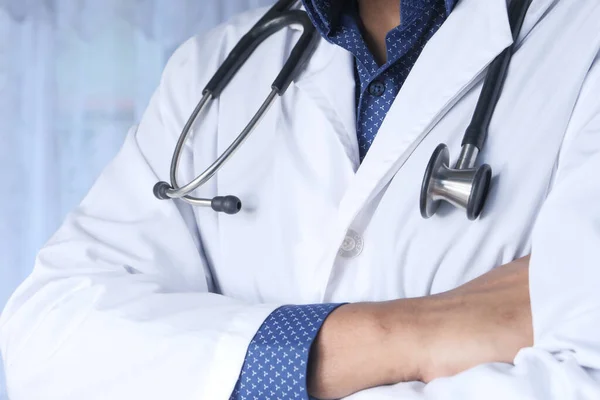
column 276, row 362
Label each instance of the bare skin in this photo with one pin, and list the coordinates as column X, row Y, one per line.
column 373, row 344
column 366, row 345
column 378, row 18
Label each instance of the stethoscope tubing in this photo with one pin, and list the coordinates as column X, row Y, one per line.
column 278, row 17
column 183, row 192
column 439, row 177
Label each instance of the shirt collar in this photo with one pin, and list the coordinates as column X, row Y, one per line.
column 325, row 14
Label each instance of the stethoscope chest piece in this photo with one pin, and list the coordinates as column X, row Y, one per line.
column 464, row 188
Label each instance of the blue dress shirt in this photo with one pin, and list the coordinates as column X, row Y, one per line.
column 277, row 358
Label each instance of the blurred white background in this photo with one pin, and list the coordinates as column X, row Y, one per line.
column 74, row 75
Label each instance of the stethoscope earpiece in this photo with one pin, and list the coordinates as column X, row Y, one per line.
column 465, row 188
column 160, row 190
column 226, row 204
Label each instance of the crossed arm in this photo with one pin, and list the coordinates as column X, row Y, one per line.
column 373, row 344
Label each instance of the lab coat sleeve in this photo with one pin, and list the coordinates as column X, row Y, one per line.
column 118, row 305
column 564, row 363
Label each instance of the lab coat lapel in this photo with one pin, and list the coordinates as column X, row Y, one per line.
column 329, row 82
column 473, row 35
column 452, row 62
column 480, row 31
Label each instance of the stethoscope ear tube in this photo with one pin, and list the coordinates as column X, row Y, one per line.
column 298, row 59
column 466, row 186
column 301, row 54
column 278, row 17
column 477, row 132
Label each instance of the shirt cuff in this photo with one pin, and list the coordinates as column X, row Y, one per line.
column 277, row 358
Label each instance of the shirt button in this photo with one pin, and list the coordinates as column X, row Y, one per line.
column 352, row 246
column 377, row 88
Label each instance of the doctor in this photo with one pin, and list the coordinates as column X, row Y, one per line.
column 329, row 282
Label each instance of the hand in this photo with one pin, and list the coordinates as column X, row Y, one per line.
column 487, row 320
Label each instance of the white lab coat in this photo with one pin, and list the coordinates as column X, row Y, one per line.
column 136, row 298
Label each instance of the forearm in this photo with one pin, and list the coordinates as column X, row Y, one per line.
column 373, row 344
column 486, row 320
column 360, row 346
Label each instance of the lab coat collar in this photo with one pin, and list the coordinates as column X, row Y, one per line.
column 329, row 81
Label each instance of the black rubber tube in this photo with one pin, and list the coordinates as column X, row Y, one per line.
column 277, row 18
column 477, row 132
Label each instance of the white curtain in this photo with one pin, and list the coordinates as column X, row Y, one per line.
column 74, row 75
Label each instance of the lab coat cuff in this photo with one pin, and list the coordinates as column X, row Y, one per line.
column 231, row 348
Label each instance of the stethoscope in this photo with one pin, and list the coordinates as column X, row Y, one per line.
column 277, row 18
column 464, row 186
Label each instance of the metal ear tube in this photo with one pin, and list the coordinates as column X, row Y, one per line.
column 466, row 186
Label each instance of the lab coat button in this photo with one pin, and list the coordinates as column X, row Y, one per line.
column 352, row 246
